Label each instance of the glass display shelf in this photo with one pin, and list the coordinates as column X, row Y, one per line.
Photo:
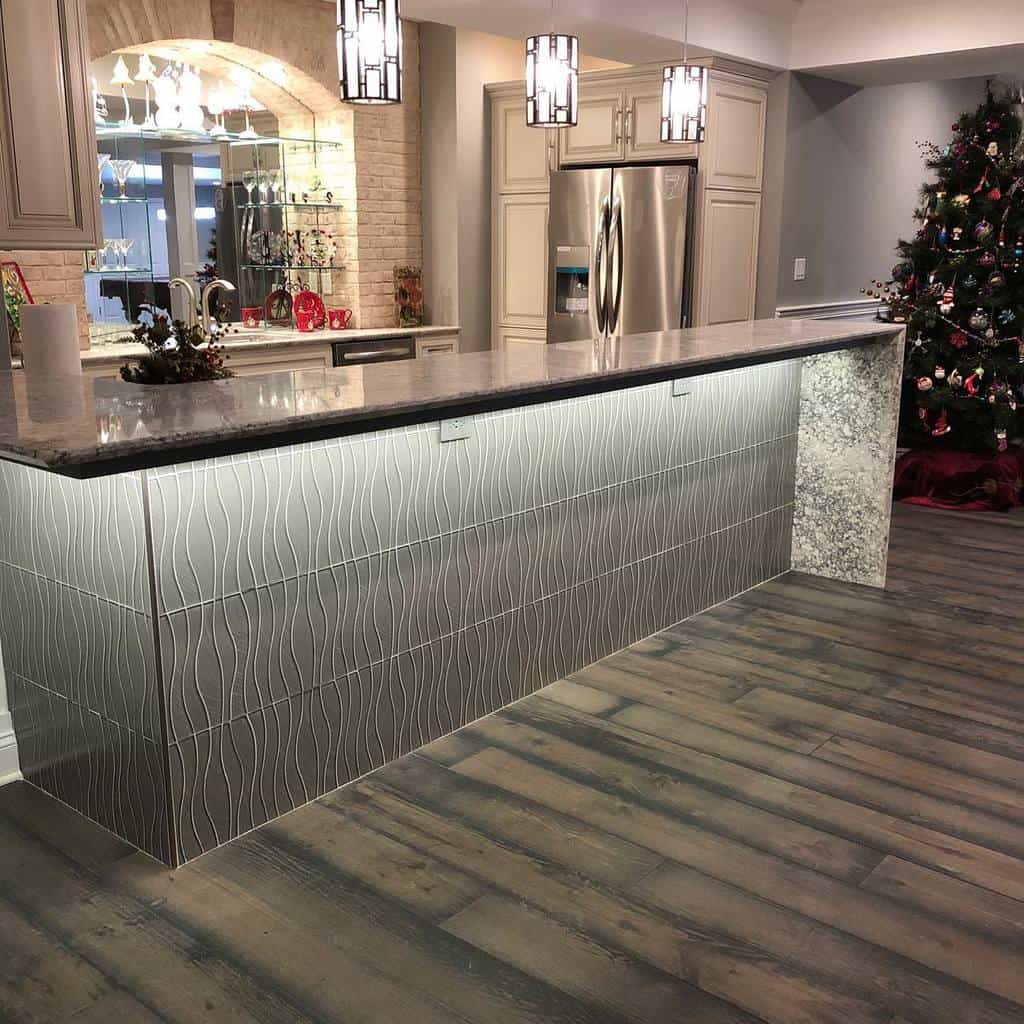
column 121, row 200
column 291, row 206
column 278, row 267
column 117, row 271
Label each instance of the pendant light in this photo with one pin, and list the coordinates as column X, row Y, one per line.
column 552, row 79
column 370, row 51
column 684, row 95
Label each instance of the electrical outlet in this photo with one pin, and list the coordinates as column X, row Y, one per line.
column 800, row 269
column 456, row 430
column 680, row 388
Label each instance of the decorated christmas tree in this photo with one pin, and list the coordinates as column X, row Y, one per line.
column 959, row 287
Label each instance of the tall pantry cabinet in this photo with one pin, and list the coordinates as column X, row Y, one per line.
column 619, row 123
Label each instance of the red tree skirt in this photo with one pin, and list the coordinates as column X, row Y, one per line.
column 961, row 480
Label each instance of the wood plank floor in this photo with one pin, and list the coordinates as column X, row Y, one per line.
column 803, row 807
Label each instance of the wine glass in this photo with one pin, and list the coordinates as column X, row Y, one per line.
column 264, row 182
column 102, row 159
column 249, row 182
column 122, row 168
column 126, row 248
column 274, row 182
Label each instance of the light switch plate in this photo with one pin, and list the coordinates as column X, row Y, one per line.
column 800, row 269
column 456, row 429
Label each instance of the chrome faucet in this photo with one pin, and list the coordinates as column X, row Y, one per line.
column 204, row 302
column 193, row 303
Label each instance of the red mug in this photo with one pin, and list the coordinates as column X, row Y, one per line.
column 306, row 321
column 251, row 316
column 339, row 319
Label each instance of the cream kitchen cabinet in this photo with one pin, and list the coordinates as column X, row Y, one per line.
column 437, row 345
column 734, row 156
column 520, row 267
column 600, row 135
column 48, row 183
column 727, row 256
column 510, row 336
column 522, row 156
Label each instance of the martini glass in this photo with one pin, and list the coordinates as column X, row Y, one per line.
column 102, row 159
column 126, row 248
column 122, row 168
column 249, row 182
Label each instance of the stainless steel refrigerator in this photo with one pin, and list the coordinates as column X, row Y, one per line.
column 619, row 251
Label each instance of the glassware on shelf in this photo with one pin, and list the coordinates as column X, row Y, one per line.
column 126, row 248
column 249, row 182
column 264, row 182
column 274, row 183
column 102, row 159
column 122, row 168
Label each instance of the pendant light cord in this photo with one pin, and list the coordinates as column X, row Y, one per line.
column 686, row 29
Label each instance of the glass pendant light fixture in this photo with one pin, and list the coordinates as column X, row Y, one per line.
column 684, row 96
column 370, row 51
column 552, row 79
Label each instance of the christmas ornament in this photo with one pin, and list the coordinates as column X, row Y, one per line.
column 1006, row 316
column 978, row 320
column 946, row 306
column 961, row 200
column 942, row 427
column 924, row 384
column 1001, row 442
column 997, row 281
column 956, row 378
column 974, row 381
column 983, row 231
column 943, row 237
column 995, row 194
column 940, row 373
column 987, row 260
column 970, row 281
column 992, row 149
column 958, row 233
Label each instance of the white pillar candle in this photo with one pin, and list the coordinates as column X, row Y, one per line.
column 49, row 338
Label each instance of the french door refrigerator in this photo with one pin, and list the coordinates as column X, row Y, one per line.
column 618, row 251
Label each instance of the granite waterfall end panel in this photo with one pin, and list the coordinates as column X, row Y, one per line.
column 328, row 607
column 849, row 411
column 78, row 643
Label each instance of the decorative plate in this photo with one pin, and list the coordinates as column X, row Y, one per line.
column 277, row 310
column 310, row 302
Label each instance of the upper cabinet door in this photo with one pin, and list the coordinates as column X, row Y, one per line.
column 600, row 135
column 48, row 183
column 734, row 156
column 643, row 127
column 522, row 156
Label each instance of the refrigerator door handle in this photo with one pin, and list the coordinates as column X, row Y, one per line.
column 599, row 287
column 616, row 251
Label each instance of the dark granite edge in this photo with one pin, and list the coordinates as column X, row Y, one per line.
column 152, row 453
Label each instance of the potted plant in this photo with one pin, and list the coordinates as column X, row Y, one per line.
column 179, row 353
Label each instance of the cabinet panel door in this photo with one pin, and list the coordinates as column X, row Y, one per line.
column 599, row 136
column 436, row 344
column 728, row 256
column 522, row 243
column 735, row 141
column 522, row 155
column 512, row 336
column 643, row 127
column 48, row 183
column 304, row 358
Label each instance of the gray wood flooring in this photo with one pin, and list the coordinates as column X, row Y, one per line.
column 803, row 807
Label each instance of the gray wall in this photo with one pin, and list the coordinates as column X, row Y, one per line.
column 852, row 174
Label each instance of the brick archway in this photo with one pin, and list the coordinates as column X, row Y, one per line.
column 378, row 177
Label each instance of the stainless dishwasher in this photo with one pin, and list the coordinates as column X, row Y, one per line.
column 373, row 350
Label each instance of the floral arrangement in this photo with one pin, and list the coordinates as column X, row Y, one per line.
column 179, row 353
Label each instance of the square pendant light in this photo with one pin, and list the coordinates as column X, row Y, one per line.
column 370, row 51
column 684, row 103
column 552, row 81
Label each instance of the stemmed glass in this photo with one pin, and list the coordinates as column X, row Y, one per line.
column 102, row 159
column 264, row 181
column 249, row 182
column 274, row 182
column 122, row 168
column 126, row 248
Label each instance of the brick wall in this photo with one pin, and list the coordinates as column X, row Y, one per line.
column 389, row 192
column 55, row 277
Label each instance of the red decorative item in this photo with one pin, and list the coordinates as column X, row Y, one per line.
column 942, row 427
column 14, row 280
column 252, row 316
column 306, row 321
column 339, row 319
column 277, row 310
column 310, row 302
column 966, row 481
column 958, row 339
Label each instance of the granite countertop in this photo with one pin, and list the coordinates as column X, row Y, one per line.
column 265, row 338
column 81, row 427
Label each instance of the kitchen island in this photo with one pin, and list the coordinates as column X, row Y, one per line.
column 219, row 601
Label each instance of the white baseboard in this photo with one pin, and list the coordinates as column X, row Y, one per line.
column 850, row 309
column 10, row 770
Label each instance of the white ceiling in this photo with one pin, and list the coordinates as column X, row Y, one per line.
column 863, row 42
